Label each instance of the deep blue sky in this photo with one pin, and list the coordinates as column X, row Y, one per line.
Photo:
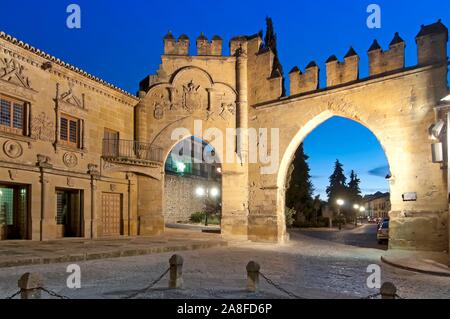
column 121, row 42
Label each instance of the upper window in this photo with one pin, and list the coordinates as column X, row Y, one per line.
column 69, row 131
column 12, row 115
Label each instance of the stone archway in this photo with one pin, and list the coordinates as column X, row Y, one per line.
column 192, row 166
column 300, row 138
column 244, row 90
column 401, row 124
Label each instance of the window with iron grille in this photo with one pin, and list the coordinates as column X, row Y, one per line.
column 12, row 118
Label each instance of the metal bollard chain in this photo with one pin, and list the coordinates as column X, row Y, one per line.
column 146, row 289
column 49, row 292
column 14, row 295
column 372, row 296
column 52, row 293
column 270, row 282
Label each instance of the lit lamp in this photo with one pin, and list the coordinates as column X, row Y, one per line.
column 180, row 167
column 202, row 192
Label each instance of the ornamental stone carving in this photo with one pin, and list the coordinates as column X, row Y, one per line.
column 13, row 72
column 42, row 128
column 70, row 160
column 69, row 97
column 191, row 99
column 12, row 149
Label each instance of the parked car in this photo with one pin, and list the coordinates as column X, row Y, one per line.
column 383, row 232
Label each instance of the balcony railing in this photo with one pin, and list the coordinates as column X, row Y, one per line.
column 131, row 151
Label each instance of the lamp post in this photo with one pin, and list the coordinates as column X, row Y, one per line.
column 362, row 209
column 340, row 203
column 207, row 193
column 356, row 207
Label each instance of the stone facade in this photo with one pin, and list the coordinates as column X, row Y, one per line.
column 397, row 104
column 181, row 200
column 34, row 157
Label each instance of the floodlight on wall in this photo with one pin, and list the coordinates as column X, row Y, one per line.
column 446, row 99
column 436, row 130
column 437, row 152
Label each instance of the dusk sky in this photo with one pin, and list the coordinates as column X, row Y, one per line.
column 121, row 42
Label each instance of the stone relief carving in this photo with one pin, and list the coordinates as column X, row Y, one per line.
column 43, row 161
column 13, row 149
column 192, row 93
column 93, row 169
column 113, row 187
column 191, row 100
column 12, row 71
column 70, row 97
column 42, row 128
column 70, row 182
column 70, row 160
column 340, row 105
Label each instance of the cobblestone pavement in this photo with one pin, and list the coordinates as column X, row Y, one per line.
column 306, row 266
column 362, row 236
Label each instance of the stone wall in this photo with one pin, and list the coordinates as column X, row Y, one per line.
column 180, row 198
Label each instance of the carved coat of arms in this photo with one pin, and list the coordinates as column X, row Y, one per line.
column 191, row 97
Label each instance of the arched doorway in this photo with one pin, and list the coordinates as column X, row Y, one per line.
column 193, row 186
column 339, row 179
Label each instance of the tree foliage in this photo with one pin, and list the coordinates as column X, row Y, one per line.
column 270, row 42
column 338, row 185
column 299, row 185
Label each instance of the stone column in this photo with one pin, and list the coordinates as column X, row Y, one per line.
column 235, row 175
column 47, row 224
column 242, row 104
column 141, row 118
column 95, row 174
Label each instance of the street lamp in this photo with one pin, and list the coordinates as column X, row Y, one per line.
column 356, row 207
column 202, row 192
column 340, row 203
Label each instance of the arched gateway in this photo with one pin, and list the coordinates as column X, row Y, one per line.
column 191, row 95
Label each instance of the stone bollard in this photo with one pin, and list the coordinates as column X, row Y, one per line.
column 388, row 291
column 253, row 276
column 29, row 285
column 176, row 272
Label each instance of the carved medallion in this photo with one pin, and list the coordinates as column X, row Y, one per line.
column 191, row 97
column 13, row 149
column 159, row 112
column 12, row 71
column 70, row 160
column 42, row 128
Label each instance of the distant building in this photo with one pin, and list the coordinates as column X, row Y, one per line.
column 377, row 205
column 184, row 174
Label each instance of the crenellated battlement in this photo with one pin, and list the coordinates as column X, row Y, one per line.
column 304, row 82
column 205, row 48
column 431, row 49
column 265, row 76
column 342, row 72
column 176, row 47
column 385, row 61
